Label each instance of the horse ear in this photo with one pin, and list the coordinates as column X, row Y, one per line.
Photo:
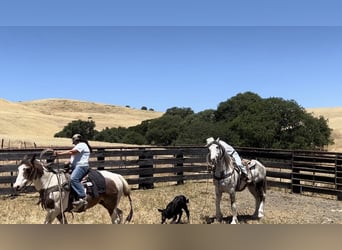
column 161, row 210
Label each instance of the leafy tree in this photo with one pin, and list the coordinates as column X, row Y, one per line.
column 164, row 130
column 132, row 137
column 196, row 128
column 237, row 105
column 113, row 135
column 243, row 120
column 142, row 128
column 85, row 128
column 182, row 112
column 277, row 123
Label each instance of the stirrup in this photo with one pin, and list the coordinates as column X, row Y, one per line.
column 80, row 202
column 248, row 178
column 79, row 206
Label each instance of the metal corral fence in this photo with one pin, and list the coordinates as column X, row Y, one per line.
column 313, row 172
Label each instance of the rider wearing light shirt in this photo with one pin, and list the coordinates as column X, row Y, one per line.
column 232, row 152
column 79, row 160
column 82, row 158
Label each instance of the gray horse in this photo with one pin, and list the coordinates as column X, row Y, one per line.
column 227, row 178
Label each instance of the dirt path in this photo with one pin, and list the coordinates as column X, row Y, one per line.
column 286, row 208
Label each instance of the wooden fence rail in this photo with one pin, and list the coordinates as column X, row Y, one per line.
column 297, row 171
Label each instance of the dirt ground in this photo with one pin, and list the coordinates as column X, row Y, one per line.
column 281, row 207
column 287, row 208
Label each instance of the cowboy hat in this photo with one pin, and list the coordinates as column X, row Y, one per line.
column 76, row 138
column 210, row 140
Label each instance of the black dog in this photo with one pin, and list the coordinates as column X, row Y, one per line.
column 175, row 208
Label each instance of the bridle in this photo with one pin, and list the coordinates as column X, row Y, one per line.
column 221, row 157
column 34, row 174
column 211, row 164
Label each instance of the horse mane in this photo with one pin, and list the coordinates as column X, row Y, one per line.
column 225, row 155
column 35, row 168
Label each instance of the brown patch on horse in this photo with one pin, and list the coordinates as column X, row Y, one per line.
column 109, row 199
column 35, row 169
column 45, row 201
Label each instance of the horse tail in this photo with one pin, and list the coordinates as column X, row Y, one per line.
column 126, row 188
column 127, row 192
column 265, row 179
column 130, row 215
column 265, row 184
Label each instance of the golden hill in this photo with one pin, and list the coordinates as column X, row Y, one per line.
column 38, row 121
column 334, row 116
column 25, row 123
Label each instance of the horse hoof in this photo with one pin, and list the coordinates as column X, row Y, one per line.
column 257, row 216
column 219, row 219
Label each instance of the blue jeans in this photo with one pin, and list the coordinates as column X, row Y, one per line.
column 76, row 177
column 238, row 162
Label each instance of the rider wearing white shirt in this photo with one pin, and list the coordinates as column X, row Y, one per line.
column 233, row 153
column 82, row 158
column 79, row 160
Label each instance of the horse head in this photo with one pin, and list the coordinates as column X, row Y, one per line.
column 216, row 152
column 29, row 169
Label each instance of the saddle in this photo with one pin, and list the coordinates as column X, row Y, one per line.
column 250, row 164
column 95, row 183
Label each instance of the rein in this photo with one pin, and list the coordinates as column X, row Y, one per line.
column 221, row 158
column 37, row 172
column 223, row 176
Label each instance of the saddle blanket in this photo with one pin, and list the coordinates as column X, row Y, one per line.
column 95, row 183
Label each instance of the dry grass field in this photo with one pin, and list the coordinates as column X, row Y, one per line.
column 26, row 123
column 281, row 207
column 334, row 116
column 37, row 122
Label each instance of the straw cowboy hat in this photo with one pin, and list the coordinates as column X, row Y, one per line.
column 210, row 140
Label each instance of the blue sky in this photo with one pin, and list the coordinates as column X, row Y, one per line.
column 170, row 12
column 170, row 59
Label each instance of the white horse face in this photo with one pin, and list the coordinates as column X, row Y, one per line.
column 21, row 180
column 214, row 153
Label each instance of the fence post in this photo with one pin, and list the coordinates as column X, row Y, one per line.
column 339, row 177
column 100, row 157
column 179, row 164
column 146, row 161
column 296, row 188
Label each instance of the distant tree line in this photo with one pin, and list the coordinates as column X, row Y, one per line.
column 245, row 120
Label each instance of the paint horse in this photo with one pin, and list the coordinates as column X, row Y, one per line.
column 54, row 189
column 227, row 178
